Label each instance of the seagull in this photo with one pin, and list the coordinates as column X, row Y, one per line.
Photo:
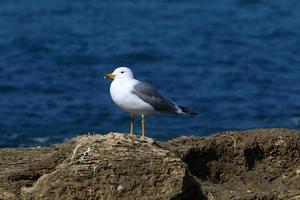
column 140, row 98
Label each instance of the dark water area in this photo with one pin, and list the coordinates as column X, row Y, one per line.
column 234, row 62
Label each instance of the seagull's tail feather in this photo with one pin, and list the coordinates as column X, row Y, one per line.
column 186, row 110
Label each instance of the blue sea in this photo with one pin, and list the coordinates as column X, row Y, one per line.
column 234, row 62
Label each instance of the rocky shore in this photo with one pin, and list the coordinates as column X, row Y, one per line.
column 254, row 164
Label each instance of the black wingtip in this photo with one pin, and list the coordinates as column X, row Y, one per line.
column 186, row 110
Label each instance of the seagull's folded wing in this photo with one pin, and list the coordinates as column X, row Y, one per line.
column 148, row 94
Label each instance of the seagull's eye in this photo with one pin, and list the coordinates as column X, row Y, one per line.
column 122, row 72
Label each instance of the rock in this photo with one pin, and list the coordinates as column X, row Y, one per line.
column 256, row 164
column 113, row 166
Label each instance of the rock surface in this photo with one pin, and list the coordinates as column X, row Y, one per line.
column 255, row 164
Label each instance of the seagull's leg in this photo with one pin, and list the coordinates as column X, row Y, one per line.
column 143, row 126
column 131, row 124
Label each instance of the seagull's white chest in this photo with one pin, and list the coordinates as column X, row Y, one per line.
column 121, row 94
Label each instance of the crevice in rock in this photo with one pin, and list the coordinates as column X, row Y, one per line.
column 252, row 155
column 191, row 189
column 203, row 164
column 24, row 176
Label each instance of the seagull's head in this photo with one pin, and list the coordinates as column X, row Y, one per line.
column 120, row 73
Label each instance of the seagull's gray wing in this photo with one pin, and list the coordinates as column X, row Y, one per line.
column 148, row 94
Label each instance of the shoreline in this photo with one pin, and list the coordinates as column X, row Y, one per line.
column 253, row 164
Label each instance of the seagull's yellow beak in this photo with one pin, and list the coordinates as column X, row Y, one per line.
column 110, row 75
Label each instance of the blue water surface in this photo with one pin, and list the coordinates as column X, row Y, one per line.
column 235, row 62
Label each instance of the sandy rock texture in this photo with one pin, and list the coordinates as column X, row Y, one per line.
column 113, row 166
column 254, row 164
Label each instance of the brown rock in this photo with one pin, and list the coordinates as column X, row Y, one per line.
column 114, row 166
column 256, row 164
